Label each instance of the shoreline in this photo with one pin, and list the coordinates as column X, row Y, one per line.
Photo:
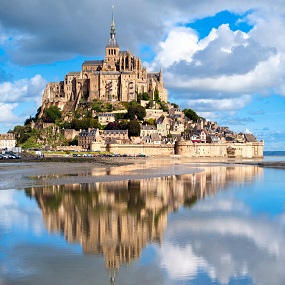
column 57, row 171
column 29, row 172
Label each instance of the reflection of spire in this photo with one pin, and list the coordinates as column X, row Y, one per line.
column 112, row 274
column 118, row 219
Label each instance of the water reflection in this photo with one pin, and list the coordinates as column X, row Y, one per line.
column 118, row 219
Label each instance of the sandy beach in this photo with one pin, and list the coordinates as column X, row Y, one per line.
column 26, row 173
column 58, row 171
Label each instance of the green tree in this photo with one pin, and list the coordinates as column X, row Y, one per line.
column 141, row 113
column 123, row 125
column 175, row 105
column 97, row 106
column 190, row 114
column 113, row 126
column 136, row 111
column 29, row 120
column 164, row 107
column 74, row 141
column 94, row 123
column 52, row 114
column 156, row 96
column 151, row 121
column 134, row 128
column 85, row 123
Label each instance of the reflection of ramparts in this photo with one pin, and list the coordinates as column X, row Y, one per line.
column 117, row 219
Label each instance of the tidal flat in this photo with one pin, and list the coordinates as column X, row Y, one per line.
column 142, row 221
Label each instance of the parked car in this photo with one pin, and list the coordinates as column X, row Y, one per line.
column 14, row 156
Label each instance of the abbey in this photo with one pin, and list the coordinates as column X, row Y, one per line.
column 118, row 77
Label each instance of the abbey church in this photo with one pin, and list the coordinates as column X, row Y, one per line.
column 118, row 77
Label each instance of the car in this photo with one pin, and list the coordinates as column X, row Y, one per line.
column 13, row 156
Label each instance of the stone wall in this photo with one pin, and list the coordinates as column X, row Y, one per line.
column 186, row 149
column 242, row 150
column 70, row 134
column 134, row 149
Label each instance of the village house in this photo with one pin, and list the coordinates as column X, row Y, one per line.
column 85, row 138
column 106, row 118
column 163, row 125
column 151, row 139
column 177, row 127
column 212, row 139
column 120, row 136
column 7, row 141
column 154, row 113
column 175, row 113
column 147, row 130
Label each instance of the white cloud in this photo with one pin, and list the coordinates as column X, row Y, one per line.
column 13, row 94
column 180, row 44
column 220, row 105
column 6, row 112
column 22, row 90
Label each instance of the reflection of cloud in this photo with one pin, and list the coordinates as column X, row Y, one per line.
column 7, row 199
column 225, row 205
column 226, row 241
column 27, row 216
column 181, row 262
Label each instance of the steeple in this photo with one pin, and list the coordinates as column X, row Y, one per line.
column 160, row 76
column 112, row 41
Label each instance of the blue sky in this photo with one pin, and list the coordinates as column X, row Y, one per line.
column 224, row 59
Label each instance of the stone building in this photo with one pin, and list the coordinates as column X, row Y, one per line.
column 7, row 141
column 120, row 76
column 103, row 137
column 106, row 118
column 85, row 138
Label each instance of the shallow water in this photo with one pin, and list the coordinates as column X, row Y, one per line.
column 225, row 225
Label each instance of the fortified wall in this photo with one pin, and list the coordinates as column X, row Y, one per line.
column 134, row 149
column 242, row 150
column 187, row 149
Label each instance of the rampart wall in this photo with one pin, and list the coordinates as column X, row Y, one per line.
column 186, row 149
column 134, row 149
column 242, row 150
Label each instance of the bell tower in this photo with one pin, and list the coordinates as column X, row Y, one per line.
column 112, row 49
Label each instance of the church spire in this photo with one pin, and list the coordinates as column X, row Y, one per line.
column 113, row 41
column 113, row 23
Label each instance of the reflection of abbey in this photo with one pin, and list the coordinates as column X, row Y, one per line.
column 118, row 77
column 118, row 219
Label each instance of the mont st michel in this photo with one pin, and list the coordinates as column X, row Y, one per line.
column 115, row 182
column 116, row 105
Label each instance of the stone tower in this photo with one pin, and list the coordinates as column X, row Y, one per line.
column 120, row 76
column 112, row 50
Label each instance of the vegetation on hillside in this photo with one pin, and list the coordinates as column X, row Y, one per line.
column 191, row 114
column 36, row 135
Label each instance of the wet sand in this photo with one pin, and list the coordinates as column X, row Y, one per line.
column 30, row 173
column 27, row 173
